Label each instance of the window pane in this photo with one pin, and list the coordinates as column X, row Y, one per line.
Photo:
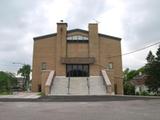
column 77, row 37
column 69, row 70
column 80, row 71
column 77, row 70
column 74, row 37
column 110, row 66
column 43, row 66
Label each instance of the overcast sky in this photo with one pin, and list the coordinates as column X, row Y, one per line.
column 137, row 22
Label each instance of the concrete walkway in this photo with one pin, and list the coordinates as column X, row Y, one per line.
column 24, row 95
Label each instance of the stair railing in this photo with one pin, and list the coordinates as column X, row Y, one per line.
column 69, row 84
column 49, row 81
column 88, row 86
column 107, row 81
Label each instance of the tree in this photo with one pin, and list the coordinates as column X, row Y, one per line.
column 150, row 58
column 129, row 89
column 152, row 69
column 129, row 74
column 7, row 81
column 25, row 72
column 158, row 55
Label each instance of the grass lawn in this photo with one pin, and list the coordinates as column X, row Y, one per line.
column 5, row 93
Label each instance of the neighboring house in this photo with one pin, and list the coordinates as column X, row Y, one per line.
column 139, row 83
column 20, row 83
column 77, row 54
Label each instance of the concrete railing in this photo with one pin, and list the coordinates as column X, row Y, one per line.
column 107, row 82
column 49, row 82
column 69, row 79
column 88, row 85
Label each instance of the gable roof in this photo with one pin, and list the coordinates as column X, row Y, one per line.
column 75, row 30
column 139, row 80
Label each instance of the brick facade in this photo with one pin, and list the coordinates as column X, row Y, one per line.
column 50, row 49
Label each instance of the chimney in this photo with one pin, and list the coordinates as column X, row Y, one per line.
column 93, row 28
column 93, row 40
column 94, row 46
column 61, row 27
column 61, row 38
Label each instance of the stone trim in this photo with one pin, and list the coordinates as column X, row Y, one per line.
column 106, row 81
column 49, row 82
column 77, row 60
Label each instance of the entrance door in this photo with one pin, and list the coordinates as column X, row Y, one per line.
column 77, row 70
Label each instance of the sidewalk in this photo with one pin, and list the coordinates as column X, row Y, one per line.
column 22, row 95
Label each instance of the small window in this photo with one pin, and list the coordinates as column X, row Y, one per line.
column 110, row 66
column 43, row 66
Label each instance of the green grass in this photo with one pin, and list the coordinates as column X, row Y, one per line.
column 41, row 94
column 5, row 93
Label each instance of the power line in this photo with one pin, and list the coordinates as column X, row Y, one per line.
column 14, row 64
column 136, row 50
column 17, row 63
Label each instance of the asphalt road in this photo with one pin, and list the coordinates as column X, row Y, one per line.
column 110, row 110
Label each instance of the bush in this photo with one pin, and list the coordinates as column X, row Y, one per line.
column 7, row 81
column 144, row 93
column 129, row 89
column 137, row 93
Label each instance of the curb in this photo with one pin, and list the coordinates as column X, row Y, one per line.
column 93, row 98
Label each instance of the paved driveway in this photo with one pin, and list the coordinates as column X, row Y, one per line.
column 112, row 110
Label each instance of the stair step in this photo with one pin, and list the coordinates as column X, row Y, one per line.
column 60, row 86
column 78, row 86
column 96, row 86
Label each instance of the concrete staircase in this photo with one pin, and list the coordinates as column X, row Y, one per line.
column 96, row 85
column 60, row 86
column 78, row 86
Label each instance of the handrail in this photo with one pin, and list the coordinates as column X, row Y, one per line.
column 68, row 84
column 107, row 82
column 88, row 85
column 49, row 82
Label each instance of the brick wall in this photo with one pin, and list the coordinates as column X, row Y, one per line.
column 102, row 48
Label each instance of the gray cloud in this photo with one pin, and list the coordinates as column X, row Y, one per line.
column 11, row 12
column 21, row 20
column 141, row 22
column 141, row 26
column 13, row 31
column 83, row 12
column 24, row 19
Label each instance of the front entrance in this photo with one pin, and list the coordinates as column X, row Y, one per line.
column 77, row 70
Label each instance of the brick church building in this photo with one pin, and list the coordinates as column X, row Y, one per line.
column 77, row 62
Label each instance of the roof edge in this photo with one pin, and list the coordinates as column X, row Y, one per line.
column 75, row 30
column 45, row 36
